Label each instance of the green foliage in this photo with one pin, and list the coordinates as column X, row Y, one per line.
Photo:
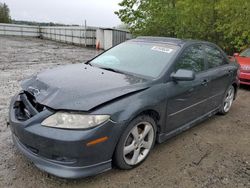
column 225, row 22
column 4, row 13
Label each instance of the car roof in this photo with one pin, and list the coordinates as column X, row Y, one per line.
column 167, row 40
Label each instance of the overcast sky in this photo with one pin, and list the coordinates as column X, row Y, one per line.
column 96, row 12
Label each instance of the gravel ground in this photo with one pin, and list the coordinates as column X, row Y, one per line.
column 215, row 153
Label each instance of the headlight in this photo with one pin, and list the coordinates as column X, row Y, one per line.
column 66, row 120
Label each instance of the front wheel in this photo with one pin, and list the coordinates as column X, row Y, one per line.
column 135, row 143
column 228, row 100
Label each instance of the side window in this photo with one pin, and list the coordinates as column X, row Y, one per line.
column 214, row 57
column 192, row 59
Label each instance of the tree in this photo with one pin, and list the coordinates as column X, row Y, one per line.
column 225, row 22
column 4, row 13
column 234, row 23
column 145, row 17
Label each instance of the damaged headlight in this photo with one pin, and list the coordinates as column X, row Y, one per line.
column 67, row 120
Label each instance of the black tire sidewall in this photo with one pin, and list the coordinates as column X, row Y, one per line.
column 118, row 155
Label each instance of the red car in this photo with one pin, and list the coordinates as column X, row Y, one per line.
column 243, row 59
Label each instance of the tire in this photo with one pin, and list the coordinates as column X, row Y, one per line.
column 227, row 100
column 135, row 143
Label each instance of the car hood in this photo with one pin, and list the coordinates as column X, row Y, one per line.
column 243, row 60
column 80, row 87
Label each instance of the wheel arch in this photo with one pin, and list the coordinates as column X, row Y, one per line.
column 152, row 113
column 235, row 85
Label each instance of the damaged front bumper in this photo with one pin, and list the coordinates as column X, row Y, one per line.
column 61, row 152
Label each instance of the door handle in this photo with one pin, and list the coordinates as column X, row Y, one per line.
column 204, row 82
column 229, row 72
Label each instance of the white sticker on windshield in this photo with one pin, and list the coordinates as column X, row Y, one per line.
column 162, row 49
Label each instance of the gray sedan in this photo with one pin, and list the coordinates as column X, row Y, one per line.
column 79, row 120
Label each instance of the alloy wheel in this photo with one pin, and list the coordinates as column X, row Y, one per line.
column 138, row 143
column 229, row 99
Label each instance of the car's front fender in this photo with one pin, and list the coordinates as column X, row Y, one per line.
column 126, row 109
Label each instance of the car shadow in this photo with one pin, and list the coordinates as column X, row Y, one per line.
column 245, row 87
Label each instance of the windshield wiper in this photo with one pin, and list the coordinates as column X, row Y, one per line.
column 105, row 68
column 88, row 63
column 110, row 69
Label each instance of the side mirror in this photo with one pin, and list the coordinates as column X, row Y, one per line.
column 183, row 75
column 236, row 54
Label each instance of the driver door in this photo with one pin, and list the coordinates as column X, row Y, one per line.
column 187, row 99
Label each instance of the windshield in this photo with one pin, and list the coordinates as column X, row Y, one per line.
column 139, row 58
column 245, row 53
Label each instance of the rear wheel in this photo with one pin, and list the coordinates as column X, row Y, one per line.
column 228, row 100
column 135, row 143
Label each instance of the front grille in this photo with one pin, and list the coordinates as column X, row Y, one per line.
column 26, row 106
column 245, row 68
column 245, row 71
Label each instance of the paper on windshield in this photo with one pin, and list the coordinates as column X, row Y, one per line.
column 162, row 49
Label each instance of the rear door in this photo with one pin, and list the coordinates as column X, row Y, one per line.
column 219, row 75
column 188, row 99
